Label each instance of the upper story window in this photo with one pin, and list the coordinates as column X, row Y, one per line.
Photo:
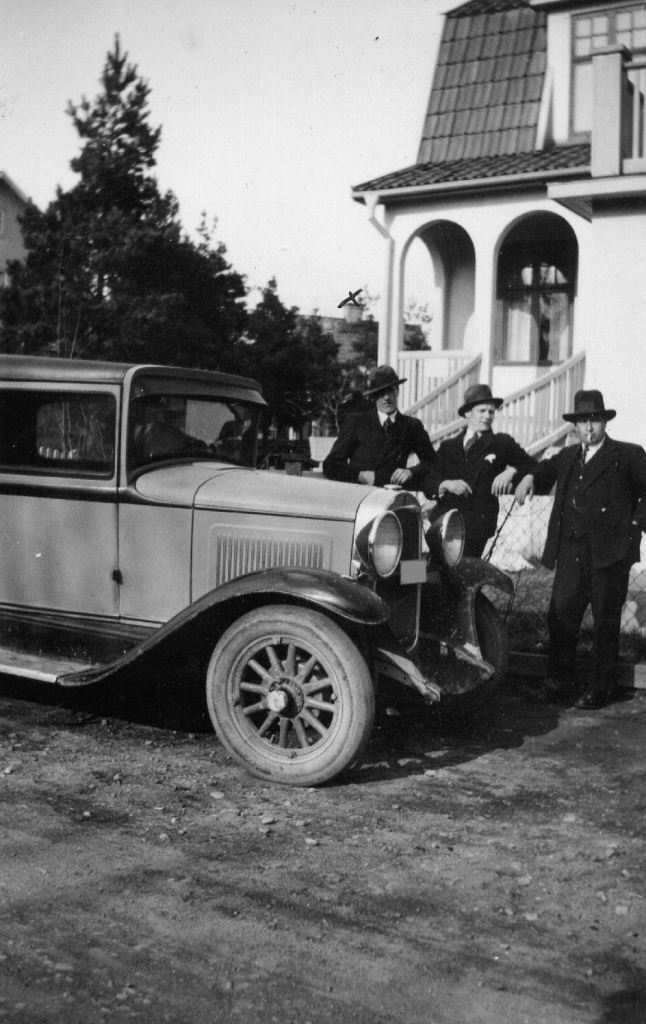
column 624, row 26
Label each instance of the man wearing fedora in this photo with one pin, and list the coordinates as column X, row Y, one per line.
column 593, row 538
column 472, row 469
column 374, row 447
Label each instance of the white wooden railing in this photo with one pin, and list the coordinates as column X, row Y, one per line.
column 425, row 372
column 635, row 161
column 534, row 414
column 436, row 405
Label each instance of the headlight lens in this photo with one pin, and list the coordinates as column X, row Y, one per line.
column 385, row 544
column 445, row 538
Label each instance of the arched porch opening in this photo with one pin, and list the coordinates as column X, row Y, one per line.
column 535, row 288
column 438, row 271
column 437, row 301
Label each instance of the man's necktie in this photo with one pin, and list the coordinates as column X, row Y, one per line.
column 470, row 443
column 388, row 426
column 584, row 453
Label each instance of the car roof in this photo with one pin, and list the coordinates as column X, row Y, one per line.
column 46, row 368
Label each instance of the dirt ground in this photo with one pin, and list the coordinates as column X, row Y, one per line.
column 483, row 874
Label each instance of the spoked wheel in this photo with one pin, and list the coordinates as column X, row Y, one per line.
column 290, row 695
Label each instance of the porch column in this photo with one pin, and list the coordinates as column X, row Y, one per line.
column 481, row 333
column 386, row 348
column 611, row 125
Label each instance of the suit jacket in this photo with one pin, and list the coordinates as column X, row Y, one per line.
column 615, row 497
column 478, row 467
column 362, row 444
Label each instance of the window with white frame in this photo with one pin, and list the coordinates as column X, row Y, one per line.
column 536, row 280
column 625, row 26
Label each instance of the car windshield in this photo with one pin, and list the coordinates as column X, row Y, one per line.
column 174, row 425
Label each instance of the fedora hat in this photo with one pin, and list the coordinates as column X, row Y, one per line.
column 478, row 394
column 588, row 403
column 381, row 378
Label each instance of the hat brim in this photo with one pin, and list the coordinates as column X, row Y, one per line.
column 384, row 387
column 606, row 414
column 480, row 401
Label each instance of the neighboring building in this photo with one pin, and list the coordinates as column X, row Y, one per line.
column 348, row 330
column 529, row 196
column 354, row 334
column 12, row 203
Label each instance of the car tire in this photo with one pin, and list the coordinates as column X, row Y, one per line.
column 460, row 708
column 290, row 695
column 493, row 638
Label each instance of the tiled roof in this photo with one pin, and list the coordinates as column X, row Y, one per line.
column 558, row 158
column 488, row 82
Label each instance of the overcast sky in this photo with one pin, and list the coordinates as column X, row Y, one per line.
column 271, row 110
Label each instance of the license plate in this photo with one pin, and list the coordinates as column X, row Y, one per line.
column 412, row 570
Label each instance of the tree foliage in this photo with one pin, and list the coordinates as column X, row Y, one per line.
column 109, row 272
column 295, row 362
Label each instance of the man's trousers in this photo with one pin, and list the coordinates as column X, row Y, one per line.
column 578, row 584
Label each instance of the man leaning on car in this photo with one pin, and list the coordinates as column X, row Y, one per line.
column 374, row 447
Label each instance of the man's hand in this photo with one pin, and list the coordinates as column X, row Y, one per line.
column 460, row 488
column 401, row 477
column 503, row 482
column 367, row 476
column 525, row 489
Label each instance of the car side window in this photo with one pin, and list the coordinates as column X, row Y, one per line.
column 57, row 433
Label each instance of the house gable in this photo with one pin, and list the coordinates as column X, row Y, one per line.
column 488, row 82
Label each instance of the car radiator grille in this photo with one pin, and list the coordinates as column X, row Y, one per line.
column 241, row 551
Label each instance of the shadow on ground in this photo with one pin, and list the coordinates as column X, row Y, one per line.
column 405, row 733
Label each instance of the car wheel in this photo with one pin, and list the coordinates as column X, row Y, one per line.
column 290, row 695
column 492, row 637
column 464, row 693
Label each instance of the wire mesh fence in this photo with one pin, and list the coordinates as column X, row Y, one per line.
column 517, row 548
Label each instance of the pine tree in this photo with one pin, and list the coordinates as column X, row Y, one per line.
column 109, row 272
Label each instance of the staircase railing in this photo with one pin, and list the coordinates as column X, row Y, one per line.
column 435, row 408
column 534, row 413
column 425, row 371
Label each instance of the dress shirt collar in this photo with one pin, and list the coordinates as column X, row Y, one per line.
column 592, row 449
column 383, row 417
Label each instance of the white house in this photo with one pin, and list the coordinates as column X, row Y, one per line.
column 12, row 204
column 529, row 202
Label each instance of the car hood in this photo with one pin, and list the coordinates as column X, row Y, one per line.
column 208, row 485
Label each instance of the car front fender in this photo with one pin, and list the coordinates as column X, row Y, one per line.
column 321, row 589
column 473, row 573
column 338, row 595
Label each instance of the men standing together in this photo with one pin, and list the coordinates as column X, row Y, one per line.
column 595, row 526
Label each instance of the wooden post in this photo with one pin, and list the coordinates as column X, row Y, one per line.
column 611, row 124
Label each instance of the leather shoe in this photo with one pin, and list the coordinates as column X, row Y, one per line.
column 592, row 699
column 556, row 690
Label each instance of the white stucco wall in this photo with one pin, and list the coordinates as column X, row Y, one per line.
column 612, row 316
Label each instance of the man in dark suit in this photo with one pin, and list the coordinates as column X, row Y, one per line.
column 374, row 447
column 472, row 469
column 593, row 539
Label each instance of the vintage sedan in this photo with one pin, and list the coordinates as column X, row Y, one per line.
column 134, row 523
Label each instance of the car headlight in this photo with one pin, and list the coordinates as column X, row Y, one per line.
column 445, row 537
column 380, row 545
